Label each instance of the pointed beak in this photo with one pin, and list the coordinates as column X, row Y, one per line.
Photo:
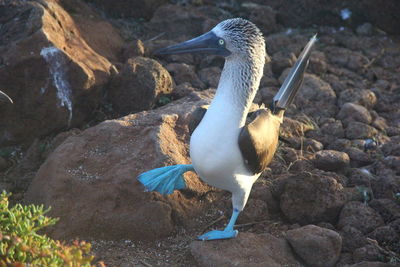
column 208, row 43
column 4, row 95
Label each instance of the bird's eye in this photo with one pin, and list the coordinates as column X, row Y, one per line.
column 221, row 42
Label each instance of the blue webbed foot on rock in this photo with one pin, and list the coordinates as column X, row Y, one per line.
column 216, row 234
column 227, row 233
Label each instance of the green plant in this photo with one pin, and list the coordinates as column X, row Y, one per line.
column 21, row 245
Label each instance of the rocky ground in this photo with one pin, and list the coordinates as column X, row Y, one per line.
column 94, row 108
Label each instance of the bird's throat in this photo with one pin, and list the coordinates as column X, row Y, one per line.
column 238, row 86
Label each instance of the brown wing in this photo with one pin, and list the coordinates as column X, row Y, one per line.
column 196, row 117
column 258, row 140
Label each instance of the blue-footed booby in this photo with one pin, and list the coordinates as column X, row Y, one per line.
column 4, row 95
column 225, row 152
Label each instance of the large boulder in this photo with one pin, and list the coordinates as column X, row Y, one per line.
column 331, row 160
column 246, row 250
column 314, row 94
column 52, row 68
column 312, row 198
column 317, row 246
column 139, row 85
column 90, row 179
column 359, row 216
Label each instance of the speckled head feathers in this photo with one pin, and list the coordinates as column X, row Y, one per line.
column 241, row 36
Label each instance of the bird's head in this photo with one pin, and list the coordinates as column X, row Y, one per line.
column 230, row 38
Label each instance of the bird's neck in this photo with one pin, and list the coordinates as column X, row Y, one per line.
column 238, row 86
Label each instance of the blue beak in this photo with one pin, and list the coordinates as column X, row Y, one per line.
column 207, row 43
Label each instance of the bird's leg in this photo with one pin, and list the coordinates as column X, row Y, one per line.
column 228, row 232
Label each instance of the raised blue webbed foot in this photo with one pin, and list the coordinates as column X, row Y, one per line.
column 216, row 234
column 165, row 179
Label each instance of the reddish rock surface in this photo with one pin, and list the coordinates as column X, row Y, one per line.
column 312, row 197
column 139, row 85
column 359, row 216
column 315, row 245
column 331, row 160
column 90, row 179
column 60, row 62
column 246, row 250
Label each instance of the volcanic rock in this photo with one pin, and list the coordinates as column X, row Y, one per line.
column 359, row 130
column 354, row 112
column 359, row 216
column 90, row 179
column 53, row 66
column 352, row 238
column 315, row 245
column 129, row 8
column 312, row 198
column 331, row 160
column 185, row 73
column 246, row 250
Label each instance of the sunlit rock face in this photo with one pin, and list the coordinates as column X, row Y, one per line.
column 53, row 65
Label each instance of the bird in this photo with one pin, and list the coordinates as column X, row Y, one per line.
column 226, row 152
column 4, row 95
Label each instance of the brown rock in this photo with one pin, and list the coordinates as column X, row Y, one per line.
column 312, row 198
column 354, row 112
column 352, row 238
column 280, row 61
column 367, row 253
column 56, row 61
column 183, row 90
column 339, row 144
column 313, row 145
column 246, row 250
column 367, row 98
column 318, row 63
column 384, row 235
column 256, row 210
column 359, row 216
column 90, row 179
column 185, row 73
column 334, row 128
column 387, row 208
column 392, row 131
column 345, row 259
column 350, row 62
column 380, row 123
column 139, row 85
column 358, row 130
column 293, row 128
column 391, row 148
column 315, row 245
column 180, row 22
column 386, row 183
column 128, row 8
column 316, row 93
column 360, row 177
column 393, row 162
column 331, row 160
column 263, row 16
column 210, row 76
column 134, row 48
column 358, row 158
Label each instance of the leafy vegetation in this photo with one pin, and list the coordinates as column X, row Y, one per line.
column 21, row 245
